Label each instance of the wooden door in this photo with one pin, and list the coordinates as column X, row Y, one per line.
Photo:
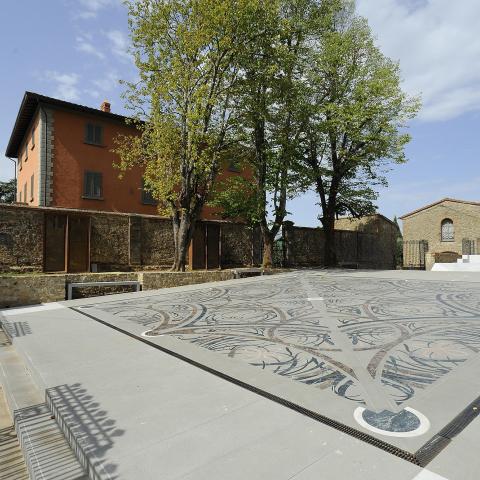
column 213, row 246
column 197, row 248
column 78, row 244
column 55, row 229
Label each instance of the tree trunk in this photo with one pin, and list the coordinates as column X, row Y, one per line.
column 268, row 241
column 183, row 228
column 330, row 257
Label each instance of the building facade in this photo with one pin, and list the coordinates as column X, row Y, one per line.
column 441, row 232
column 65, row 159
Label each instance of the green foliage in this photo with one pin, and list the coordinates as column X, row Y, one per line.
column 185, row 52
column 357, row 115
column 7, row 191
column 296, row 90
column 237, row 198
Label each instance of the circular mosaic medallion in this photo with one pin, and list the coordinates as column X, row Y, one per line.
column 406, row 423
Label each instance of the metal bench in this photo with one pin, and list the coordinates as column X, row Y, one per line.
column 248, row 272
column 72, row 285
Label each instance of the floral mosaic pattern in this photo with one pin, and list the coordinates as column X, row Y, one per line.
column 403, row 334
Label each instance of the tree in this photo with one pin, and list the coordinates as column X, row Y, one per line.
column 355, row 125
column 270, row 98
column 186, row 52
column 7, row 191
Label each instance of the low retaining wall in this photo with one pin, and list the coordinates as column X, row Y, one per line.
column 153, row 281
column 20, row 290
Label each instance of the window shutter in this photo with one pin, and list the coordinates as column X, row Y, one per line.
column 89, row 133
column 85, row 184
column 98, row 135
column 98, row 185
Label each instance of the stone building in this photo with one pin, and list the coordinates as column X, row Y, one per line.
column 441, row 232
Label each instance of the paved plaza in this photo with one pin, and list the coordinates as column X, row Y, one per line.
column 385, row 364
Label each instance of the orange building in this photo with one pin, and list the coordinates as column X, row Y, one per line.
column 65, row 159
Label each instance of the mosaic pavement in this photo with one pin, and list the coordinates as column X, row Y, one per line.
column 376, row 342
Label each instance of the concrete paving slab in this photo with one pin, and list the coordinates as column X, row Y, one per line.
column 381, row 344
column 288, row 335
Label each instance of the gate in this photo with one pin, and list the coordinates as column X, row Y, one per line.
column 279, row 253
column 468, row 247
column 414, row 252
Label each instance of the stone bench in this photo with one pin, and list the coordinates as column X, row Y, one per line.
column 247, row 272
column 72, row 285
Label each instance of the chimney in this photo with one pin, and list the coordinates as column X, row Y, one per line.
column 105, row 106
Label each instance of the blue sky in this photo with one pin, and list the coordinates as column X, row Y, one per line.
column 76, row 50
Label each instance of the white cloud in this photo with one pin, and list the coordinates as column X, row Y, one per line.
column 84, row 43
column 90, row 8
column 438, row 47
column 108, row 82
column 119, row 44
column 65, row 85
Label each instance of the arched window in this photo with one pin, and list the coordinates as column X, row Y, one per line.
column 448, row 231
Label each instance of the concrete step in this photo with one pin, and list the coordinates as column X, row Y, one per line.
column 12, row 464
column 46, row 452
column 80, row 428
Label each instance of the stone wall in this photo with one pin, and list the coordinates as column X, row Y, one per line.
column 157, row 247
column 20, row 290
column 305, row 248
column 108, row 231
column 236, row 245
column 21, row 239
column 426, row 224
column 156, row 280
column 31, row 289
column 118, row 242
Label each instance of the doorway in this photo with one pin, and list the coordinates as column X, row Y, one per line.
column 205, row 248
column 67, row 243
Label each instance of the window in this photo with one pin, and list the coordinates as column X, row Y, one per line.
column 33, row 137
column 32, row 183
column 92, row 185
column 20, row 161
column 447, row 231
column 93, row 134
column 147, row 197
column 25, row 193
column 26, row 151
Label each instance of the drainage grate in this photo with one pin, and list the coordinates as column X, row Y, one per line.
column 421, row 458
column 436, row 444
